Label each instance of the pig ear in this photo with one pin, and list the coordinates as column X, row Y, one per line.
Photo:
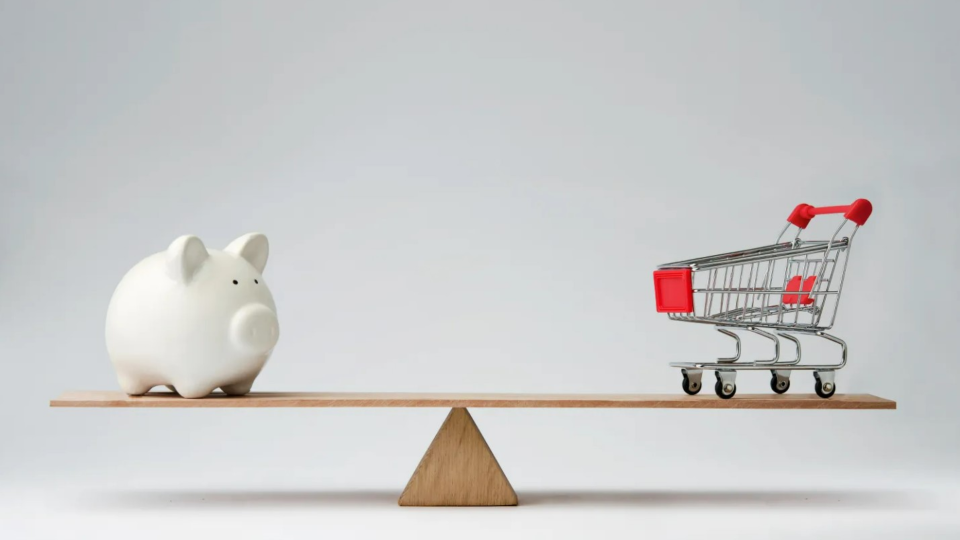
column 253, row 247
column 184, row 257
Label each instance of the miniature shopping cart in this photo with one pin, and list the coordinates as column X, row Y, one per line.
column 784, row 290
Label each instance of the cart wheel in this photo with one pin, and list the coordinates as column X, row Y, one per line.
column 782, row 387
column 818, row 388
column 690, row 388
column 718, row 388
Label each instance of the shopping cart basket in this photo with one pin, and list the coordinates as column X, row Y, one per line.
column 783, row 290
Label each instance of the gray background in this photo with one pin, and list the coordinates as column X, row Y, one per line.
column 472, row 197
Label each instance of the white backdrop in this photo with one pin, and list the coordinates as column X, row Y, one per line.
column 473, row 198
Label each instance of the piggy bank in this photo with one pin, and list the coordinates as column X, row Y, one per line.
column 193, row 319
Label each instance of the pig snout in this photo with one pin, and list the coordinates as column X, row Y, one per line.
column 255, row 329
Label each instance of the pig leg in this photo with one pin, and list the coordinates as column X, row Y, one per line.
column 238, row 389
column 193, row 390
column 133, row 386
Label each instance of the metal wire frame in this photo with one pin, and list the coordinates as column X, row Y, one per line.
column 748, row 276
column 739, row 288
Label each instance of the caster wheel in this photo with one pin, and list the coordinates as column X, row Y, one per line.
column 689, row 387
column 818, row 388
column 779, row 388
column 720, row 390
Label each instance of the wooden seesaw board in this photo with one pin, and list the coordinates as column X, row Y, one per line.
column 458, row 468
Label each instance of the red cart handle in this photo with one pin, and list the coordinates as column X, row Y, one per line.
column 857, row 212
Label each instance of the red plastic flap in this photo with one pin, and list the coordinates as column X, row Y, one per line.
column 674, row 290
column 794, row 285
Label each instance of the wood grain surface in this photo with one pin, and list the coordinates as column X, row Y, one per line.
column 455, row 400
column 458, row 469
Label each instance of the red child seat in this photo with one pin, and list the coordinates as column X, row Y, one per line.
column 794, row 286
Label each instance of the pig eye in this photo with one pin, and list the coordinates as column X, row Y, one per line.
column 257, row 282
column 235, row 282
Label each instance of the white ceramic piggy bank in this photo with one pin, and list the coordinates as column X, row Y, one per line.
column 193, row 319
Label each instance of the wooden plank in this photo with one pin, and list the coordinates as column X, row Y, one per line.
column 457, row 400
column 458, row 469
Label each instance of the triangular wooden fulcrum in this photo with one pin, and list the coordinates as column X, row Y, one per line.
column 458, row 469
